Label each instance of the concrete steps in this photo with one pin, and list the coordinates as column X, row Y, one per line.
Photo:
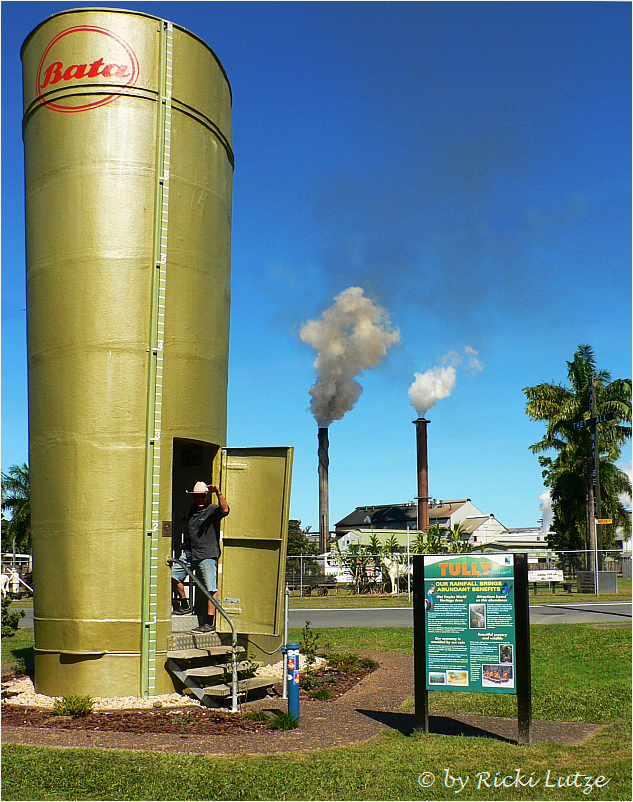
column 202, row 665
column 251, row 688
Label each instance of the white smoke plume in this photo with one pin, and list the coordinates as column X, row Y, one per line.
column 474, row 365
column 438, row 383
column 545, row 507
column 430, row 387
column 352, row 336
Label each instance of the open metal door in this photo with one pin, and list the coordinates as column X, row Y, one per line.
column 256, row 484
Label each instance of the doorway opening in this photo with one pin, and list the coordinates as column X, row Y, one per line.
column 193, row 461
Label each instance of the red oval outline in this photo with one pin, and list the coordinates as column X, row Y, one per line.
column 104, row 101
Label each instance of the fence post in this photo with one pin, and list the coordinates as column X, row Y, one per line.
column 301, row 574
column 284, row 693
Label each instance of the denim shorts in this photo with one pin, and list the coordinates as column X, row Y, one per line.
column 207, row 568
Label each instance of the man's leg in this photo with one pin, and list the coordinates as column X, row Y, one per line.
column 177, row 576
column 209, row 571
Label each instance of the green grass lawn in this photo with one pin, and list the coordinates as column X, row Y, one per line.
column 343, row 598
column 24, row 603
column 19, row 647
column 580, row 673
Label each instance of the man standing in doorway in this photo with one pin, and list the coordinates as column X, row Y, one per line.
column 201, row 549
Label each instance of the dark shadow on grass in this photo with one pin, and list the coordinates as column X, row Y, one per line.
column 438, row 725
column 27, row 655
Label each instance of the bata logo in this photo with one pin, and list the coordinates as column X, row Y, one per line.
column 105, row 59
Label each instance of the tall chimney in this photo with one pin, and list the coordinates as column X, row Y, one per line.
column 324, row 504
column 423, row 474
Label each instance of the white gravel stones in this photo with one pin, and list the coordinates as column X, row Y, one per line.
column 22, row 692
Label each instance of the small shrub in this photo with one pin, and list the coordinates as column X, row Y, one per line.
column 322, row 694
column 75, row 706
column 19, row 667
column 309, row 644
column 187, row 719
column 308, row 682
column 10, row 619
column 284, row 721
column 345, row 662
column 250, row 669
column 257, row 715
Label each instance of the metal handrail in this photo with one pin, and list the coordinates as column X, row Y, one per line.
column 234, row 685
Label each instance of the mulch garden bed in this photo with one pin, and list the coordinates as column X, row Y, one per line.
column 336, row 682
column 198, row 720
column 183, row 721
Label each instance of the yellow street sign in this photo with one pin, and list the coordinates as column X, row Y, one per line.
column 604, row 520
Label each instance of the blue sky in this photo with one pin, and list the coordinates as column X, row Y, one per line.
column 467, row 164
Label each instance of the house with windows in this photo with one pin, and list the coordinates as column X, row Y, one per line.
column 482, row 531
column 400, row 521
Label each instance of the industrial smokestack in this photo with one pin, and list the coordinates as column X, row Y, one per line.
column 423, row 473
column 324, row 508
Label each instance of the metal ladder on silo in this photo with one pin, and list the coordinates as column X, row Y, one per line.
column 156, row 349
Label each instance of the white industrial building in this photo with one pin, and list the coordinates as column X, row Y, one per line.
column 400, row 521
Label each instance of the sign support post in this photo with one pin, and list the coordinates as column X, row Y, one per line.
column 419, row 648
column 523, row 663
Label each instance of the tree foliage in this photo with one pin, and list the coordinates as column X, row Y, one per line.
column 16, row 501
column 360, row 562
column 568, row 473
column 10, row 618
column 298, row 544
column 441, row 540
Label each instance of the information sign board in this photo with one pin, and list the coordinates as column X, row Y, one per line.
column 469, row 622
column 471, row 630
column 546, row 576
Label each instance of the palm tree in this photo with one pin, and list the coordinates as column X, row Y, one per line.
column 374, row 545
column 16, row 499
column 431, row 541
column 458, row 539
column 358, row 561
column 392, row 546
column 569, row 472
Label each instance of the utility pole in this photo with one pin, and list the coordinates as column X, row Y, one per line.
column 594, row 534
column 595, row 453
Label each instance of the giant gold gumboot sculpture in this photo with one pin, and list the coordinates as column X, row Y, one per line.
column 127, row 136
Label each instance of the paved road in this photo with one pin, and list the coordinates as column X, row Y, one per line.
column 586, row 612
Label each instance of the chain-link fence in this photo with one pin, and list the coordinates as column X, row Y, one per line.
column 361, row 572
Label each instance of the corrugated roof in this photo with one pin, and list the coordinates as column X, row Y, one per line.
column 389, row 515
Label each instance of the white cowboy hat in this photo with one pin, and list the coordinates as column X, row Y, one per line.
column 199, row 487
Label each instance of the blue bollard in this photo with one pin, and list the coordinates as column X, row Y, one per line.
column 293, row 680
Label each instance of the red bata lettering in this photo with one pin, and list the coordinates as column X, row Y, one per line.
column 56, row 72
